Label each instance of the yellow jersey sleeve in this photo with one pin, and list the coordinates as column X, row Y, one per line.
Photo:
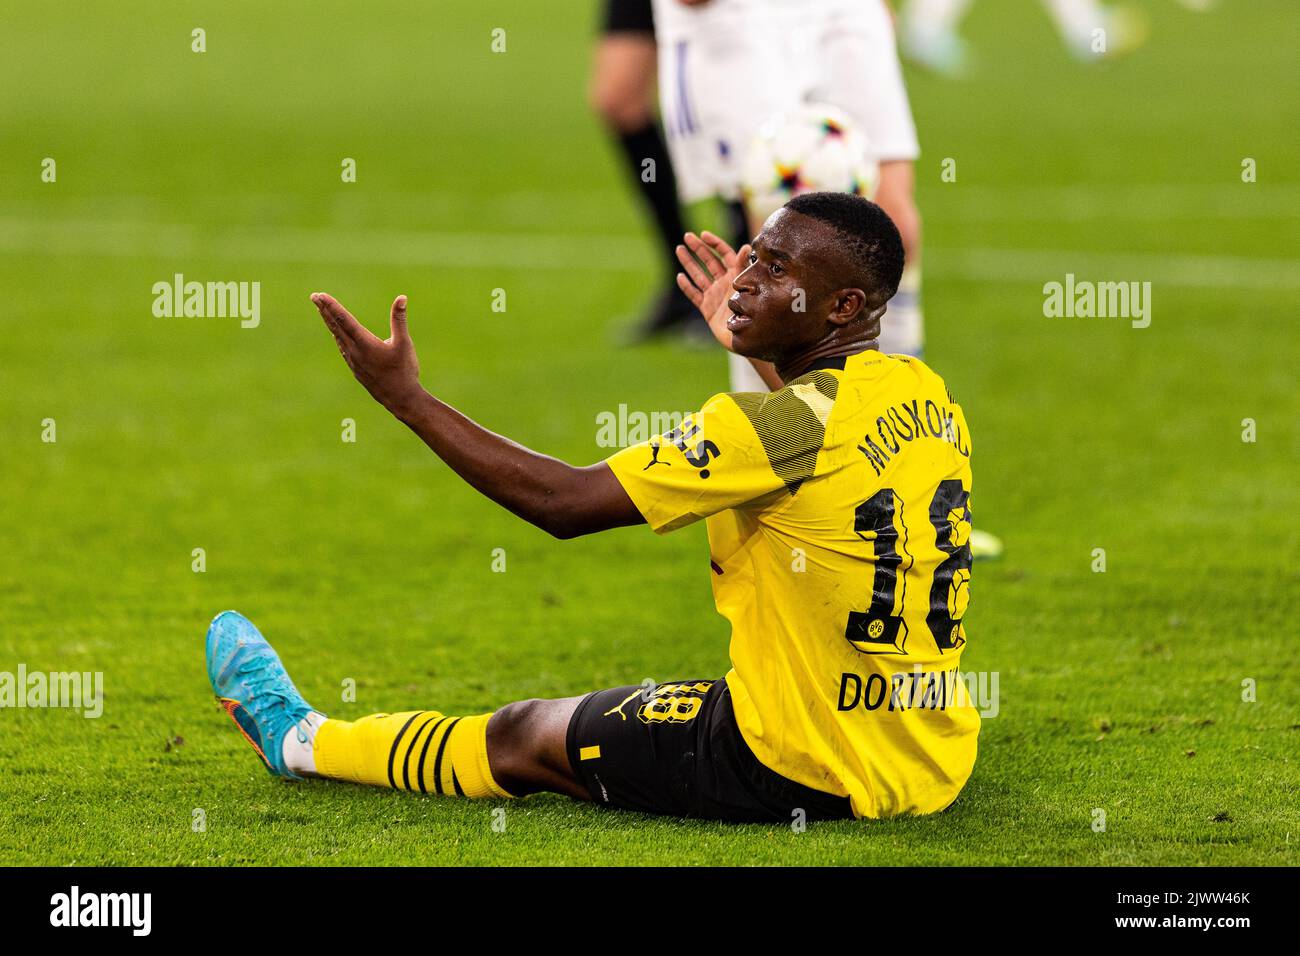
column 743, row 448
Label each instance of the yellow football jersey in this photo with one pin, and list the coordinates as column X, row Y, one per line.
column 838, row 515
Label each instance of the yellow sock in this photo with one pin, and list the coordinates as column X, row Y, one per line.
column 416, row 750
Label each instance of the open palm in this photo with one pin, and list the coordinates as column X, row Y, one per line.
column 710, row 265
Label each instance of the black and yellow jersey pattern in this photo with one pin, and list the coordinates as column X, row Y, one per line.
column 838, row 515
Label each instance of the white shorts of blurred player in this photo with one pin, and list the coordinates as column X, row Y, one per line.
column 727, row 65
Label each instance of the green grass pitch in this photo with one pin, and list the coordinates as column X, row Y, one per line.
column 369, row 561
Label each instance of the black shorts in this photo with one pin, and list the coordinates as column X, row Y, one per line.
column 628, row 16
column 676, row 750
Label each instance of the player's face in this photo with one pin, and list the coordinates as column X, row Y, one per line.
column 780, row 301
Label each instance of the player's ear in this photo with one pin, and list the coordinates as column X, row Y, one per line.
column 848, row 305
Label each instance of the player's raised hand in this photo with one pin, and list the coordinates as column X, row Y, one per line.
column 710, row 265
column 388, row 368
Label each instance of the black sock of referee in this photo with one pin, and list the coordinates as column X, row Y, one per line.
column 659, row 191
column 738, row 223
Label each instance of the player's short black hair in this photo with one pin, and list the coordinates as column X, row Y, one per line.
column 872, row 238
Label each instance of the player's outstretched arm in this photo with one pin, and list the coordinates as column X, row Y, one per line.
column 561, row 499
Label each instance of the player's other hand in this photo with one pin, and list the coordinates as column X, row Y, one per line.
column 710, row 267
column 388, row 368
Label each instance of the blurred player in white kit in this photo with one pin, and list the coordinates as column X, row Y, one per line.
column 726, row 66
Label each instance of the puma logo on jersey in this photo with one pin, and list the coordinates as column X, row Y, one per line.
column 654, row 458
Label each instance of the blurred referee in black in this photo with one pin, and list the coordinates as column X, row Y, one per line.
column 623, row 94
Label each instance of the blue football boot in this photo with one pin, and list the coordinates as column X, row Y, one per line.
column 253, row 687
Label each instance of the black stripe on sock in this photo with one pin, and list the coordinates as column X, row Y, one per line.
column 406, row 761
column 393, row 753
column 456, row 783
column 419, row 771
column 437, row 763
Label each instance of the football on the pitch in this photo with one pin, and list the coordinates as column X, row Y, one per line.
column 815, row 148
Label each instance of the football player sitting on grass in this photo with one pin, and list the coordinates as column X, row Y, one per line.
column 838, row 516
